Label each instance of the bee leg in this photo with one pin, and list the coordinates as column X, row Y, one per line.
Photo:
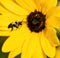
column 16, row 26
column 12, row 29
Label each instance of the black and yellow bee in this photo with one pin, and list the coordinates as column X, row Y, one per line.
column 15, row 24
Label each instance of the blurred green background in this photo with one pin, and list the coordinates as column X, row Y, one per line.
column 2, row 39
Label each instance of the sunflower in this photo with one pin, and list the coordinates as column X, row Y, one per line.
column 36, row 37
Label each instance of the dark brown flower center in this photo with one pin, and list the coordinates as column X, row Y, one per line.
column 36, row 21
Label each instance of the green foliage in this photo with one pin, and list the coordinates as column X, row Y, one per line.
column 58, row 33
column 18, row 56
column 2, row 39
column 58, row 0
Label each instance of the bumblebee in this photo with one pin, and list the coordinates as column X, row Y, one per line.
column 15, row 24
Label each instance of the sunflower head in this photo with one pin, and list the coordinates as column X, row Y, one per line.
column 36, row 21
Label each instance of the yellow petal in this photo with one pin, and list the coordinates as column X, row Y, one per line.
column 30, row 46
column 4, row 11
column 5, row 33
column 38, row 4
column 57, row 52
column 38, row 49
column 53, row 17
column 48, row 49
column 26, row 4
column 53, row 21
column 55, row 11
column 39, row 54
column 10, row 6
column 7, row 17
column 15, row 52
column 46, row 5
column 16, row 39
column 51, row 35
column 24, row 49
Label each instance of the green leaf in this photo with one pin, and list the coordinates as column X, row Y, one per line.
column 58, row 33
column 2, row 39
column 18, row 56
